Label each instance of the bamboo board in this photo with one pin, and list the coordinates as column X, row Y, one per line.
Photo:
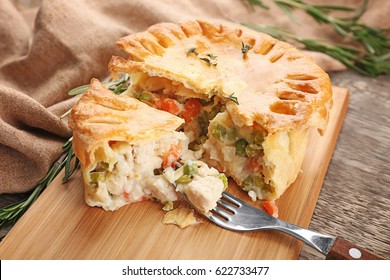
column 61, row 226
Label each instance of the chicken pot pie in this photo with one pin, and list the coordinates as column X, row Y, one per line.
column 247, row 99
column 130, row 151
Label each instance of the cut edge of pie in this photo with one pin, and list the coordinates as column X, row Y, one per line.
column 130, row 152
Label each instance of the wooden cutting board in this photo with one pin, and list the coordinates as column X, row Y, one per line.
column 61, row 226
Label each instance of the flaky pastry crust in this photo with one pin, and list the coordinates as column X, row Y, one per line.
column 101, row 116
column 276, row 86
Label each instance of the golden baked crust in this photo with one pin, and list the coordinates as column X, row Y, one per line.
column 276, row 86
column 101, row 116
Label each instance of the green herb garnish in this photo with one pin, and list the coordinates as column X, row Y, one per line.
column 11, row 213
column 358, row 60
column 210, row 59
column 117, row 87
column 259, row 3
column 245, row 48
column 233, row 98
column 192, row 50
column 372, row 60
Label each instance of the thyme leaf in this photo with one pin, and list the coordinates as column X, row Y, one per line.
column 209, row 58
column 233, row 98
column 192, row 50
column 245, row 48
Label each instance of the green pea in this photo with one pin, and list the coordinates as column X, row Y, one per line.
column 97, row 177
column 240, row 147
column 253, row 150
column 185, row 179
column 144, row 97
column 218, row 131
column 258, row 181
column 190, row 168
column 231, row 135
column 224, row 180
column 259, row 138
column 247, row 184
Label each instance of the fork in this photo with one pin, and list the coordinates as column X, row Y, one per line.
column 234, row 214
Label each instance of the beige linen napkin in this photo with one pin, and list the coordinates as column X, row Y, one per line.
column 72, row 41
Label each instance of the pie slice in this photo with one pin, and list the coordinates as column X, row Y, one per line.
column 130, row 151
column 248, row 100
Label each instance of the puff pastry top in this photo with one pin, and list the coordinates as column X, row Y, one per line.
column 101, row 116
column 276, row 86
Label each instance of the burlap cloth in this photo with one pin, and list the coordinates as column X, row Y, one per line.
column 64, row 44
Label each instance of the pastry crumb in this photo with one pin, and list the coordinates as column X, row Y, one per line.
column 182, row 217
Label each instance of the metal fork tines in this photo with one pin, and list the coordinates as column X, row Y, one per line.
column 234, row 214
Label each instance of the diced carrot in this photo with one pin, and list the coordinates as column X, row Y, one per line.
column 168, row 105
column 271, row 208
column 256, row 126
column 191, row 109
column 112, row 143
column 170, row 156
column 254, row 164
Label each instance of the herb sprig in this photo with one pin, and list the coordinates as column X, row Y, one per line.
column 360, row 61
column 209, row 58
column 11, row 213
column 233, row 98
column 245, row 48
column 116, row 86
column 374, row 40
column 372, row 60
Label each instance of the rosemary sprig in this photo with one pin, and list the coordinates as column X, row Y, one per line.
column 115, row 86
column 360, row 61
column 11, row 213
column 374, row 40
column 259, row 3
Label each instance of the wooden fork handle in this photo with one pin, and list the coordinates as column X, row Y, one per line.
column 345, row 250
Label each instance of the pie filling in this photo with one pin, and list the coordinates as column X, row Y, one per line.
column 196, row 109
column 262, row 164
column 147, row 171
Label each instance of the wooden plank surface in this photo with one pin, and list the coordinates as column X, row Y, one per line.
column 61, row 226
column 354, row 202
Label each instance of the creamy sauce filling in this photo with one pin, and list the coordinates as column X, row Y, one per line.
column 131, row 178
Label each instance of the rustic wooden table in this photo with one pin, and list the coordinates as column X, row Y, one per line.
column 354, row 202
